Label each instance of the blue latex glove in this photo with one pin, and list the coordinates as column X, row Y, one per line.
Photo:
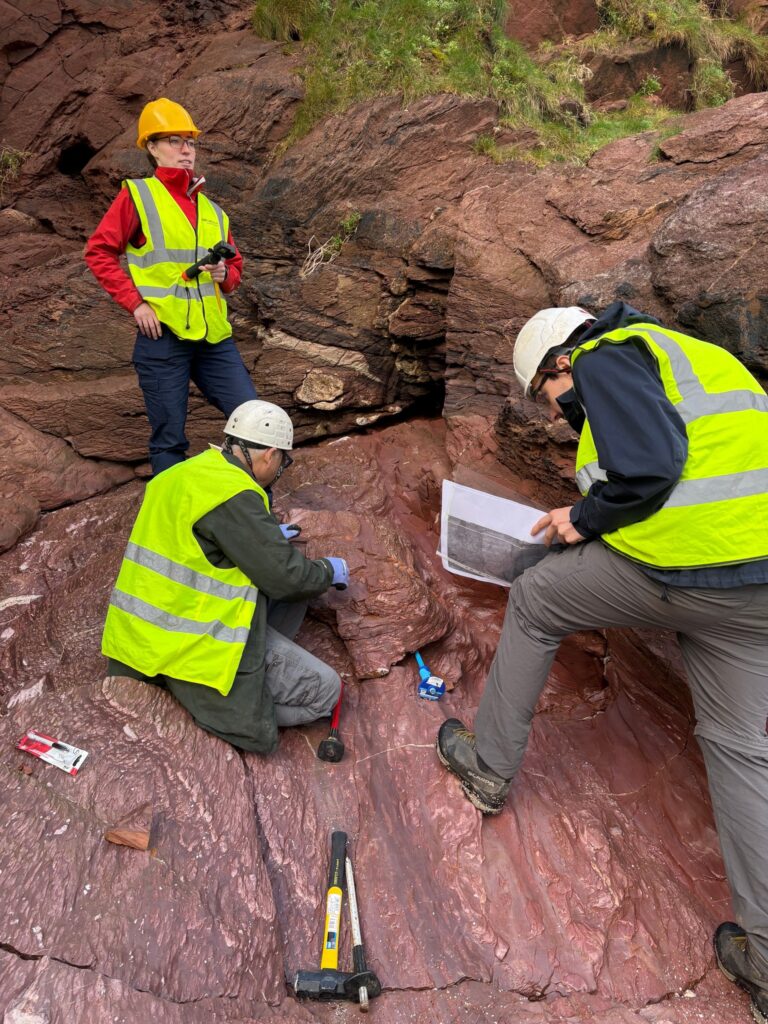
column 290, row 530
column 340, row 573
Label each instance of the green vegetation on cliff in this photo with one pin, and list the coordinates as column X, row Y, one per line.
column 359, row 49
column 703, row 29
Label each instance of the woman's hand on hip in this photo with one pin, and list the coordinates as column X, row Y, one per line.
column 147, row 320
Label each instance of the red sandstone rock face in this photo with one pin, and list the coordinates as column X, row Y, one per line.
column 593, row 896
column 532, row 23
column 566, row 898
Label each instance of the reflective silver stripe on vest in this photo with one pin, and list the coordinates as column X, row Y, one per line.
column 220, row 217
column 696, row 401
column 588, row 475
column 175, row 623
column 152, row 214
column 177, row 291
column 188, row 577
column 150, row 259
column 718, row 488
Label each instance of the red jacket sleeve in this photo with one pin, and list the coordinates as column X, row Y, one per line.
column 234, row 270
column 119, row 225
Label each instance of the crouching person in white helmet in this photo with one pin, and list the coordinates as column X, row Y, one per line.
column 211, row 592
column 670, row 533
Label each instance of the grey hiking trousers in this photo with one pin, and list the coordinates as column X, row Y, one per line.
column 303, row 688
column 723, row 636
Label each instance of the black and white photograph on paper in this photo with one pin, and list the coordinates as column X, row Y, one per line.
column 485, row 537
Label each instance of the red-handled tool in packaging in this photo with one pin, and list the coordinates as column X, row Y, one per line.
column 56, row 752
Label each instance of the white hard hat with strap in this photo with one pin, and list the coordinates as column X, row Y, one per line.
column 548, row 329
column 261, row 423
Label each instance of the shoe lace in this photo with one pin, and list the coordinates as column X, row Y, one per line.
column 740, row 941
column 467, row 737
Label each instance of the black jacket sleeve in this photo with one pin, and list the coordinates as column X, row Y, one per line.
column 641, row 440
column 241, row 532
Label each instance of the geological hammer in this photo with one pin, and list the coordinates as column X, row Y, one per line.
column 332, row 748
column 362, row 984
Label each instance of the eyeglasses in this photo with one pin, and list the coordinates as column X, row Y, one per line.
column 538, row 380
column 285, row 462
column 176, row 141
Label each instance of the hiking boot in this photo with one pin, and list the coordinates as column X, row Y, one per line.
column 457, row 749
column 733, row 959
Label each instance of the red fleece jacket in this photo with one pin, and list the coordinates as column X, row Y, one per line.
column 120, row 226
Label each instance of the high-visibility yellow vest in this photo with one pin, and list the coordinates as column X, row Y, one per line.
column 172, row 611
column 189, row 308
column 717, row 512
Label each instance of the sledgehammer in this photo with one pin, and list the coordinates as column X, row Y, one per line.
column 332, row 748
column 329, row 981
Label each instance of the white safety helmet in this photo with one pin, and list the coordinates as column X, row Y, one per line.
column 261, row 423
column 543, row 332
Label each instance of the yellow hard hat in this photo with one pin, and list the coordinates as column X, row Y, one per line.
column 163, row 117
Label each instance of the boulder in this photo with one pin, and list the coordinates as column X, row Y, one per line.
column 706, row 262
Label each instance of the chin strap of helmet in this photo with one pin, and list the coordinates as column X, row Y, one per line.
column 227, row 447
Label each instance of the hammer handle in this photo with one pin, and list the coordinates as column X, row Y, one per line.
column 337, row 710
column 330, row 953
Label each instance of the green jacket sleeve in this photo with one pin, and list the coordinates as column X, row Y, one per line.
column 241, row 532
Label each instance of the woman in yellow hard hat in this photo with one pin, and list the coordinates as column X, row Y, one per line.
column 163, row 224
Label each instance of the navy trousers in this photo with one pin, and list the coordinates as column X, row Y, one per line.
column 165, row 367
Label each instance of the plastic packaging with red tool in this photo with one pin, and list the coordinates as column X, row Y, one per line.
column 56, row 752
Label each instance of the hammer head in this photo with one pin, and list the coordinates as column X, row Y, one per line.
column 364, row 979
column 326, row 984
column 331, row 749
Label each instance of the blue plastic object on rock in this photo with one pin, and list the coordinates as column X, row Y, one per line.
column 430, row 687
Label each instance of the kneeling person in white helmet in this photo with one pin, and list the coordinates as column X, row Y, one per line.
column 211, row 592
column 669, row 533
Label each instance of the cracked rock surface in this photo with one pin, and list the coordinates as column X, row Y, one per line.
column 592, row 897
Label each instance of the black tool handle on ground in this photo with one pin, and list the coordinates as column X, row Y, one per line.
column 221, row 251
column 338, row 857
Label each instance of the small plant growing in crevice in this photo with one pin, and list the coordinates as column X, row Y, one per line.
column 649, row 86
column 326, row 252
column 10, row 165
